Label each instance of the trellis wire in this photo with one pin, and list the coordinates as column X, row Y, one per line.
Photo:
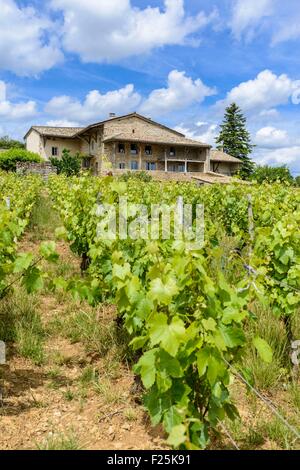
column 268, row 402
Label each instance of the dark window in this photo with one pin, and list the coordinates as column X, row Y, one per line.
column 133, row 131
column 86, row 163
column 54, row 151
column 134, row 165
column 172, row 152
column 134, row 149
column 93, row 144
column 122, row 166
column 150, row 166
column 121, row 148
column 148, row 150
column 181, row 168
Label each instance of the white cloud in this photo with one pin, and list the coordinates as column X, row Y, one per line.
column 12, row 111
column 102, row 30
column 283, row 156
column 208, row 136
column 281, row 20
column 180, row 93
column 28, row 44
column 270, row 137
column 269, row 113
column 263, row 93
column 62, row 123
column 247, row 15
column 95, row 107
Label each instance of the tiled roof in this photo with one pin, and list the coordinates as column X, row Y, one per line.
column 170, row 140
column 219, row 156
column 57, row 131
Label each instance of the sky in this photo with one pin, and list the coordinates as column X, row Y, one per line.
column 180, row 62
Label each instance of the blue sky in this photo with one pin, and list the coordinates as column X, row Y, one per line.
column 71, row 62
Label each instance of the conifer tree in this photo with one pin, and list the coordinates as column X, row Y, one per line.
column 235, row 140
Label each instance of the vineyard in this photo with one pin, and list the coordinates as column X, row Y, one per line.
column 197, row 319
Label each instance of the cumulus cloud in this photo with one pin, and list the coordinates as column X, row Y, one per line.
column 181, row 92
column 96, row 106
column 264, row 93
column 270, row 137
column 101, row 30
column 284, row 156
column 28, row 43
column 204, row 132
column 12, row 111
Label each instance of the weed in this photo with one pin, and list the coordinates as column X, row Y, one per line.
column 270, row 328
column 69, row 395
column 21, row 323
column 60, row 442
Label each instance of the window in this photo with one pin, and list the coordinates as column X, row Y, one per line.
column 54, row 151
column 121, row 148
column 122, row 166
column 150, row 166
column 93, row 144
column 172, row 152
column 181, row 168
column 134, row 149
column 86, row 163
column 148, row 150
column 134, row 165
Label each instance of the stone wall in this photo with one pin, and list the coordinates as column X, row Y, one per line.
column 44, row 169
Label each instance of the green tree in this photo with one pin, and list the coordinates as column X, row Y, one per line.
column 9, row 158
column 7, row 143
column 234, row 139
column 297, row 181
column 272, row 174
column 68, row 164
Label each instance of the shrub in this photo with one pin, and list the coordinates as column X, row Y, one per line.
column 272, row 174
column 7, row 143
column 68, row 164
column 10, row 158
column 141, row 175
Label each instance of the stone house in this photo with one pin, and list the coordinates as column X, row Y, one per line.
column 132, row 142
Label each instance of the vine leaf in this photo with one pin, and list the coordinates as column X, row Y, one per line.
column 264, row 349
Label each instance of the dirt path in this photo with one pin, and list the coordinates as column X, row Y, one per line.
column 80, row 396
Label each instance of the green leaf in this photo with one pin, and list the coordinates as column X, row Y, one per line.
column 169, row 336
column 48, row 251
column 146, row 367
column 163, row 381
column 169, row 364
column 22, row 262
column 121, row 272
column 163, row 293
column 172, row 418
column 177, row 436
column 209, row 325
column 203, row 357
column 263, row 349
column 233, row 336
column 33, row 280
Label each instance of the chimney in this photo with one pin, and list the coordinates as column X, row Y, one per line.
column 112, row 115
